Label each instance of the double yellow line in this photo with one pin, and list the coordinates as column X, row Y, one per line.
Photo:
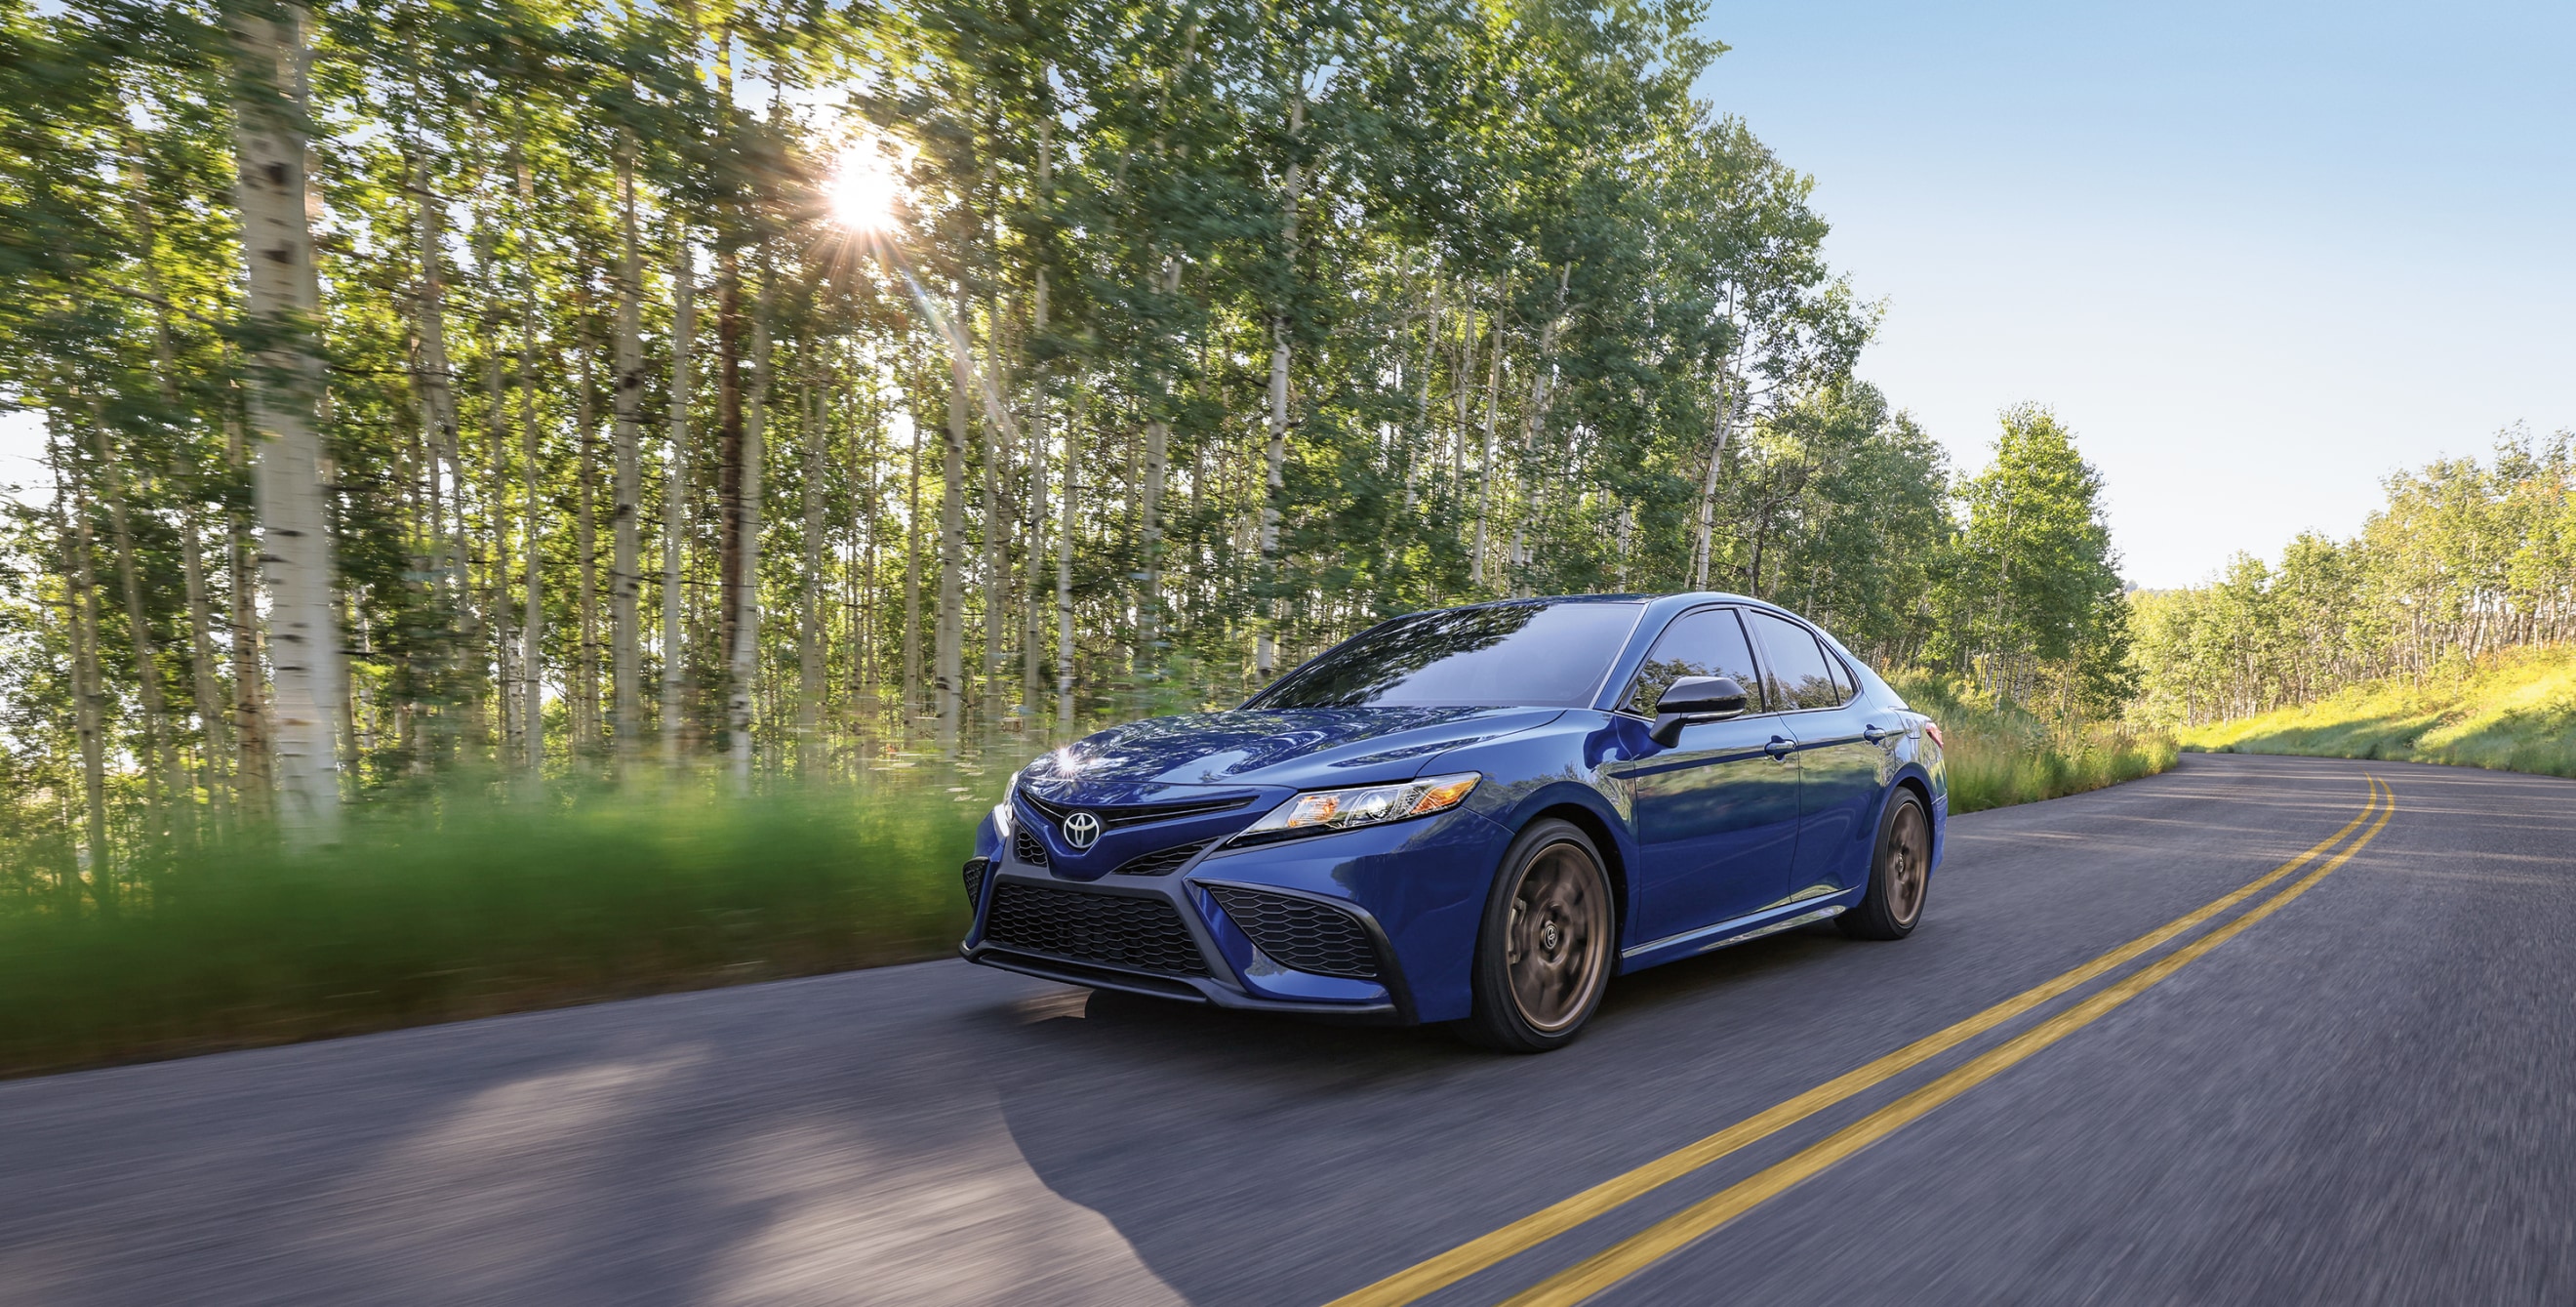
column 1608, row 1267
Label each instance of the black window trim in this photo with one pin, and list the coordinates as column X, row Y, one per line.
column 1761, row 668
column 1827, row 650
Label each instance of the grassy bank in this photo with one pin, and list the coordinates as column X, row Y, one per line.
column 2001, row 754
column 2514, row 712
column 467, row 908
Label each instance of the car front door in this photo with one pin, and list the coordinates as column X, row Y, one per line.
column 1716, row 815
column 1842, row 770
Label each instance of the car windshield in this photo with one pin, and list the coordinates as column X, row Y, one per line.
column 1533, row 655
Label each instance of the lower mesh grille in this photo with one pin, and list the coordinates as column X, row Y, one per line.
column 1301, row 933
column 1114, row 929
column 975, row 869
column 1162, row 861
column 1030, row 848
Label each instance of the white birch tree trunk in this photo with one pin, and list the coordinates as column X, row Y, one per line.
column 1725, row 426
column 625, row 578
column 1485, row 470
column 277, row 242
column 1265, row 654
column 675, row 506
column 743, row 660
column 809, row 617
column 948, row 654
column 532, row 619
column 1064, row 577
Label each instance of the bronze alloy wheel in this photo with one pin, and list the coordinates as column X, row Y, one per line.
column 1551, row 932
column 1899, row 875
column 1559, row 938
column 1909, row 857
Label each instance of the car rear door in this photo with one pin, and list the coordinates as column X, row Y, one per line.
column 1716, row 815
column 1841, row 770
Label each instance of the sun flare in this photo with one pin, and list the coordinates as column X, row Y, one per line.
column 863, row 191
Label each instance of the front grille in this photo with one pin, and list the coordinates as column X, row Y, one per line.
column 1119, row 930
column 1116, row 815
column 975, row 869
column 1162, row 861
column 1030, row 848
column 1301, row 933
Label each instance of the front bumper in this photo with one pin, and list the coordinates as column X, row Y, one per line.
column 1399, row 902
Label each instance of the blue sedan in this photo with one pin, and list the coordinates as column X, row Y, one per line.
column 1475, row 815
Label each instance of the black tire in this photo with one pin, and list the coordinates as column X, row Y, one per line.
column 1900, row 873
column 1549, row 939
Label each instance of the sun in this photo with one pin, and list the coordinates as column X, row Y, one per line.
column 863, row 191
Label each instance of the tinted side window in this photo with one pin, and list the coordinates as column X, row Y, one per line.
column 1800, row 674
column 1843, row 677
column 1709, row 642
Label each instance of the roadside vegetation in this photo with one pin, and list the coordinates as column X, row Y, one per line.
column 2002, row 753
column 483, row 904
column 2466, row 562
column 2512, row 711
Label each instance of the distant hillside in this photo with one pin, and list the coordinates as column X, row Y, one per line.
column 2515, row 712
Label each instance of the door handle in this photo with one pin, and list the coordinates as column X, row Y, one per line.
column 1780, row 746
column 1874, row 734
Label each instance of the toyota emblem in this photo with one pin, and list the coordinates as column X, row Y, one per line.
column 1081, row 830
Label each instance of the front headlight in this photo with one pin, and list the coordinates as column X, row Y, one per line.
column 1368, row 805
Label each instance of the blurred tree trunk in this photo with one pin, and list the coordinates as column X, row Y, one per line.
column 585, row 695
column 80, row 625
column 949, row 674
column 744, row 656
column 436, row 379
column 1265, row 655
column 809, row 616
column 625, row 581
column 162, row 768
column 675, row 506
column 912, row 586
column 269, row 109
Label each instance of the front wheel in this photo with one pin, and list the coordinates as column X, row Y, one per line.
column 1898, row 875
column 1543, row 954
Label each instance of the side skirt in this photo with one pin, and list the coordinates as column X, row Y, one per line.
column 1708, row 939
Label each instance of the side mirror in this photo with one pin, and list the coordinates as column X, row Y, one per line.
column 1695, row 699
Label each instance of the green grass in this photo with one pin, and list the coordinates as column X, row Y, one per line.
column 2001, row 754
column 2513, row 712
column 467, row 908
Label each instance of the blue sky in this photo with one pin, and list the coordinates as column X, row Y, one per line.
column 2257, row 256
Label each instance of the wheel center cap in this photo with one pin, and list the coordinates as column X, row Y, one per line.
column 1549, row 937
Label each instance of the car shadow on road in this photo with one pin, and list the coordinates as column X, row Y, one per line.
column 1231, row 1149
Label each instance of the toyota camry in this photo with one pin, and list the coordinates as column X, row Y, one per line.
column 1475, row 815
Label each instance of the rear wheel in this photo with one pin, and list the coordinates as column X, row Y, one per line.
column 1543, row 955
column 1899, row 875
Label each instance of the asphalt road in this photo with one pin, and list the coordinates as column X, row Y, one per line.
column 2368, row 1095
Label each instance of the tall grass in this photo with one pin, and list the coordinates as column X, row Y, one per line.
column 434, row 911
column 2002, row 754
column 2515, row 711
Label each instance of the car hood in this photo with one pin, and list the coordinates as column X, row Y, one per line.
column 1300, row 748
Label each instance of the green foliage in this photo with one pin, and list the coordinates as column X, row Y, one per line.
column 2001, row 753
column 2465, row 559
column 2514, row 710
column 2034, row 609
column 469, row 904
